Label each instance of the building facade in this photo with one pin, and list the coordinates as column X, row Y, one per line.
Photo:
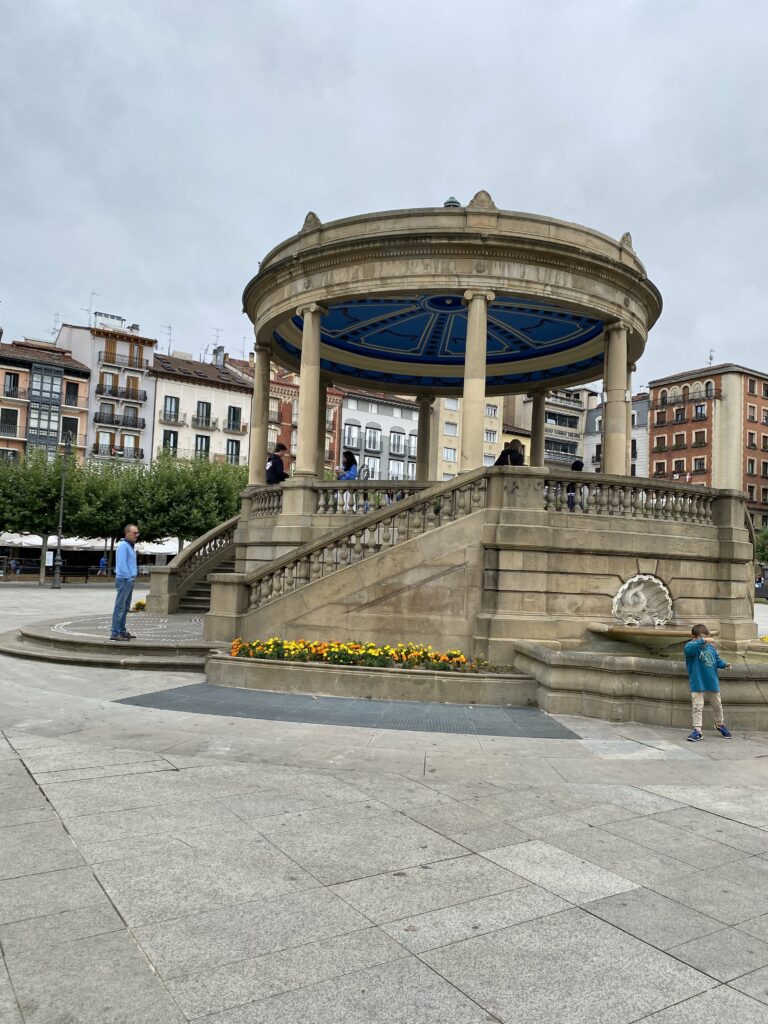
column 593, row 447
column 445, row 436
column 44, row 399
column 710, row 426
column 201, row 410
column 565, row 418
column 381, row 431
column 122, row 398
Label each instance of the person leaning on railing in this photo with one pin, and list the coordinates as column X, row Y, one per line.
column 275, row 466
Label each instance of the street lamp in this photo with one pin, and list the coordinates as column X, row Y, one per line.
column 67, row 439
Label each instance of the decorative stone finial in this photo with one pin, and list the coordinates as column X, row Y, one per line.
column 311, row 221
column 626, row 241
column 452, row 202
column 481, row 201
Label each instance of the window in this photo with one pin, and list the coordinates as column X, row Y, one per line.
column 699, row 411
column 271, row 438
column 11, row 385
column 373, row 465
column 679, row 466
column 397, row 412
column 752, row 413
column 351, row 436
column 329, row 418
column 699, row 438
column 765, row 390
column 764, row 495
column 709, row 389
column 598, row 452
column 411, row 470
column 491, row 436
column 43, row 420
column 202, row 446
column 413, row 442
column 9, row 421
column 396, row 469
column 599, row 422
column 449, row 476
column 633, row 449
column 488, row 460
column 680, row 414
column 661, row 419
column 751, row 467
column 274, row 410
column 70, row 393
column 449, row 454
column 131, row 416
column 233, row 451
column 295, row 410
column 661, row 443
column 699, row 465
column 69, row 425
column 132, row 386
column 559, row 419
column 752, row 386
column 750, row 492
column 171, row 441
column 492, row 411
column 765, row 416
column 765, row 442
column 678, row 441
column 352, row 403
column 46, row 383
column 660, row 468
column 451, row 429
column 373, row 439
column 662, row 398
column 294, row 441
column 686, row 392
column 634, row 419
column 328, row 446
column 452, row 404
column 171, row 408
column 234, row 418
column 396, row 443
column 751, row 439
column 203, row 413
column 764, row 469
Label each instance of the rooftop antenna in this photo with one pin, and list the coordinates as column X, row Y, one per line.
column 56, row 324
column 242, row 350
column 711, row 356
column 204, row 353
column 217, row 332
column 89, row 311
column 167, row 329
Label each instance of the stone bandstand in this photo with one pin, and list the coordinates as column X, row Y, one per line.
column 467, row 301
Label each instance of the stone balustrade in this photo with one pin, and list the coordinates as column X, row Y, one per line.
column 633, row 498
column 265, row 501
column 359, row 497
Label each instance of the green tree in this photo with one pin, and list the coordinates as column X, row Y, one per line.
column 761, row 546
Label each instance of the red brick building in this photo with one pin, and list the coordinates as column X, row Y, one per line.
column 710, row 426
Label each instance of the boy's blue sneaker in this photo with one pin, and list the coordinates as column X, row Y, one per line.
column 695, row 736
column 723, row 730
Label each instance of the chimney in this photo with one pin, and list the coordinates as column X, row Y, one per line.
column 251, row 359
column 218, row 356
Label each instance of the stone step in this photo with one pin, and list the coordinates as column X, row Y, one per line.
column 108, row 655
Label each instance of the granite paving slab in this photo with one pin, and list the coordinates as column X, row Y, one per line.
column 142, row 821
column 560, row 872
column 35, row 934
column 706, row 892
column 754, row 985
column 716, row 1004
column 725, row 954
column 696, row 850
column 30, row 849
column 638, row 863
column 566, row 968
column 9, row 1008
column 51, row 892
column 659, row 921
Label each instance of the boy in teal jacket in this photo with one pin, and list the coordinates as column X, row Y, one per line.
column 702, row 662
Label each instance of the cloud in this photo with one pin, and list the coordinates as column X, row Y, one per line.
column 154, row 152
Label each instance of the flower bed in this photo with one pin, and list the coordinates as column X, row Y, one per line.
column 336, row 652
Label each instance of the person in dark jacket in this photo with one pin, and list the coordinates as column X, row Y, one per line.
column 275, row 467
column 512, row 455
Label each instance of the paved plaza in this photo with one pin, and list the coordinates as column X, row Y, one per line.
column 161, row 861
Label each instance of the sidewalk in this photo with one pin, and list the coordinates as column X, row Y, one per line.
column 163, row 866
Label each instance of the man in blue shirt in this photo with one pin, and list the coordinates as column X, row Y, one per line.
column 126, row 571
column 702, row 662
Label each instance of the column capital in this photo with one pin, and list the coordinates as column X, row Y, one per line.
column 427, row 400
column 617, row 325
column 311, row 307
column 487, row 295
column 538, row 393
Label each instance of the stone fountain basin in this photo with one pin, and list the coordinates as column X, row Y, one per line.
column 650, row 638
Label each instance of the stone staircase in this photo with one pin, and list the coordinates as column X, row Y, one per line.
column 197, row 599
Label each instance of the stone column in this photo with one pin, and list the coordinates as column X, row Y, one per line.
column 309, row 391
column 473, row 399
column 423, row 439
column 630, row 370
column 322, row 409
column 615, row 401
column 259, row 437
column 537, row 427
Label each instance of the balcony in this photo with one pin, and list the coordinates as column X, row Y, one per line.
column 76, row 440
column 678, row 446
column 698, row 444
column 74, row 402
column 560, row 456
column 678, row 419
column 572, row 403
column 397, row 449
column 596, row 460
column 235, row 427
column 698, row 417
column 350, row 441
column 173, row 420
column 9, row 429
column 108, row 419
column 205, row 423
column 132, row 362
column 108, row 451
column 129, row 394
column 16, row 394
column 659, row 448
column 698, row 397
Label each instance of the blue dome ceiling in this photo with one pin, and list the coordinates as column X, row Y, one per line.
column 420, row 341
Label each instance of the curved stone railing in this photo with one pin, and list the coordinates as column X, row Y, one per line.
column 359, row 497
column 377, row 531
column 267, row 501
column 581, row 493
column 207, row 551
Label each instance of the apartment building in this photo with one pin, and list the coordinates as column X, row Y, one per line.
column 201, row 410
column 43, row 399
column 710, row 426
column 381, row 430
column 593, row 446
column 445, row 436
column 565, row 416
column 121, row 404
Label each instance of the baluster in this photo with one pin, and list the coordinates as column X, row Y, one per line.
column 386, row 533
column 461, row 501
column 277, row 583
column 626, row 500
column 637, row 502
column 614, row 500
column 289, row 578
column 549, row 495
column 316, row 566
column 357, row 547
column 255, row 596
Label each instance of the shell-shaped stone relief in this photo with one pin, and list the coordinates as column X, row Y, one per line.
column 643, row 601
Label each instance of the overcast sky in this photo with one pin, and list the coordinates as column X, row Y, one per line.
column 154, row 150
